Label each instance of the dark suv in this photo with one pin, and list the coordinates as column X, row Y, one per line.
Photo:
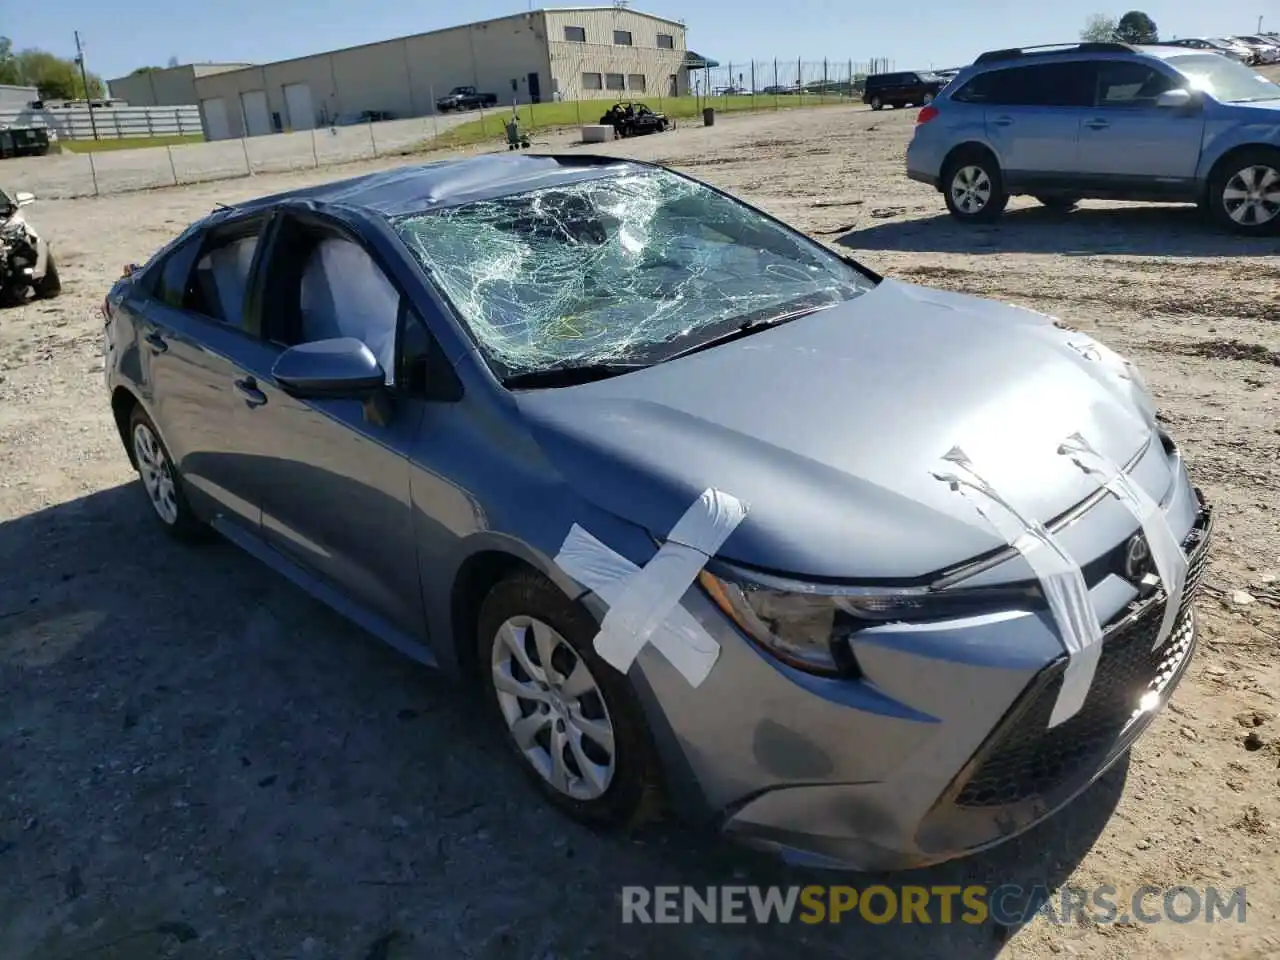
column 909, row 89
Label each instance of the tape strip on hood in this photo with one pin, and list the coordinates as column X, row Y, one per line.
column 644, row 602
column 1060, row 579
column 1166, row 551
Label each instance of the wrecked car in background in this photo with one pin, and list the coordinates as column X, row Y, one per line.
column 634, row 120
column 709, row 515
column 27, row 267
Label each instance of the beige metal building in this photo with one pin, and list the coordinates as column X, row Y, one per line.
column 565, row 53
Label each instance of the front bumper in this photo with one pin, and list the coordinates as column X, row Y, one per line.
column 1021, row 774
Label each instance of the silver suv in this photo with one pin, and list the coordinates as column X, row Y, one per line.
column 1106, row 121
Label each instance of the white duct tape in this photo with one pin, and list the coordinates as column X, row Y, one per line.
column 1166, row 551
column 1060, row 578
column 644, row 602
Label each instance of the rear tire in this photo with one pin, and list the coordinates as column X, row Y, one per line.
column 161, row 480
column 548, row 689
column 974, row 187
column 1244, row 192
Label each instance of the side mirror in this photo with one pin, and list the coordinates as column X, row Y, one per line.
column 340, row 368
column 1175, row 100
column 22, row 198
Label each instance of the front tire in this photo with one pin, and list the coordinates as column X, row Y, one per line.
column 570, row 719
column 161, row 480
column 974, row 188
column 1244, row 192
column 877, row 103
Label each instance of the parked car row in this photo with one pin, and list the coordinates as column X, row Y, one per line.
column 1066, row 122
column 1251, row 50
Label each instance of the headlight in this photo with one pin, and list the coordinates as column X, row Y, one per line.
column 808, row 626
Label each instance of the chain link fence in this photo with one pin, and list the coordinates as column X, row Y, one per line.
column 757, row 85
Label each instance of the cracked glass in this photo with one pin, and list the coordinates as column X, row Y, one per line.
column 629, row 268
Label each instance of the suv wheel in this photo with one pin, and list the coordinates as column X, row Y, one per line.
column 877, row 103
column 1244, row 192
column 571, row 720
column 926, row 99
column 974, row 188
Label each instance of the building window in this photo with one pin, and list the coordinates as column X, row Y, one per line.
column 614, row 81
column 622, row 38
column 575, row 34
column 591, row 81
column 635, row 81
column 666, row 41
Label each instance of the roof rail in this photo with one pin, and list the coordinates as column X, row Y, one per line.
column 1046, row 49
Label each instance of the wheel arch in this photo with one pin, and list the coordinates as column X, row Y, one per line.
column 1227, row 156
column 123, row 403
column 962, row 149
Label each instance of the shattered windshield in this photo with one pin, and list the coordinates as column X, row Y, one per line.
column 629, row 268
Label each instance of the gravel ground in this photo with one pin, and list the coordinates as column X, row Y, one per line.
column 198, row 761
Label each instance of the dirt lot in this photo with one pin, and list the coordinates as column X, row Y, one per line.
column 197, row 761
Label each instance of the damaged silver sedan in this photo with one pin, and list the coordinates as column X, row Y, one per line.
column 712, row 517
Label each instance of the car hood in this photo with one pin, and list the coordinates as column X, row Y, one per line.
column 830, row 428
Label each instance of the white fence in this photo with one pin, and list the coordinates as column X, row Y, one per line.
column 68, row 175
column 75, row 123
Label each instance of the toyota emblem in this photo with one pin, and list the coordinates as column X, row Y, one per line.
column 1137, row 558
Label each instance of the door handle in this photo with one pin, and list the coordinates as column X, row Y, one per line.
column 1097, row 124
column 248, row 388
column 1002, row 121
column 156, row 342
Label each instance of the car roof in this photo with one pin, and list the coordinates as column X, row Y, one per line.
column 443, row 183
column 1005, row 59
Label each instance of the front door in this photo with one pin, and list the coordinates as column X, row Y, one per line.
column 337, row 497
column 535, row 88
column 1126, row 136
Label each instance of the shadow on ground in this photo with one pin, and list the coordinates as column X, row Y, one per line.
column 1146, row 230
column 200, row 761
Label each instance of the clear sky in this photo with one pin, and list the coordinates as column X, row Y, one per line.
column 122, row 34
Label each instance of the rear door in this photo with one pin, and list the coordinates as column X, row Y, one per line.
column 1033, row 116
column 195, row 348
column 1127, row 138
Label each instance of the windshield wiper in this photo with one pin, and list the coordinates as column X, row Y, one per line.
column 569, row 376
column 749, row 327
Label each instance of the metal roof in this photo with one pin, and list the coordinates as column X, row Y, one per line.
column 444, row 183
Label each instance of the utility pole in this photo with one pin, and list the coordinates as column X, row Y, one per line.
column 84, row 79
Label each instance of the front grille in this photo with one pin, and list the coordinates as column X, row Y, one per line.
column 1030, row 760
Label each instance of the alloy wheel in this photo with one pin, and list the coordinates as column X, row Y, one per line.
column 1251, row 197
column 554, row 708
column 157, row 475
column 971, row 189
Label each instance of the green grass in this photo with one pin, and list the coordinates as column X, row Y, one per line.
column 127, row 143
column 541, row 117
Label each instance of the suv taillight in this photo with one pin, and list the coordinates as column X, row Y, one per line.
column 926, row 114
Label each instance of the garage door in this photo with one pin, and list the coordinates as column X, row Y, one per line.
column 297, row 101
column 216, row 125
column 257, row 119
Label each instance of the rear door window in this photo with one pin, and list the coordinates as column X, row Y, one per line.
column 219, row 284
column 1040, row 85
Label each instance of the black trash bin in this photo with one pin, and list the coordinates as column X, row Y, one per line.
column 709, row 116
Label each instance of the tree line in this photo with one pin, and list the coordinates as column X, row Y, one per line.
column 57, row 78
column 1134, row 27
